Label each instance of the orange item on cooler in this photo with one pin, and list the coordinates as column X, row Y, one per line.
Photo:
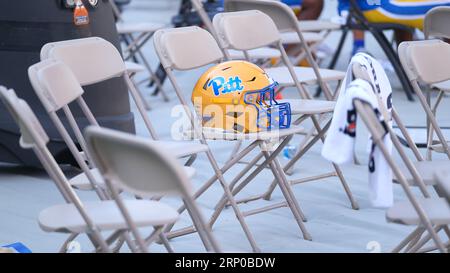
column 80, row 14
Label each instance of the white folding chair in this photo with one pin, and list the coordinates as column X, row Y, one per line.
column 260, row 30
column 286, row 22
column 184, row 49
column 263, row 54
column 435, row 26
column 419, row 173
column 136, row 35
column 77, row 217
column 424, row 170
column 48, row 79
column 428, row 214
column 314, row 32
column 427, row 62
column 145, row 169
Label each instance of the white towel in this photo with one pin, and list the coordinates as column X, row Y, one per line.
column 340, row 141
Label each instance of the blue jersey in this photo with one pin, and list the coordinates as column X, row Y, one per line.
column 399, row 7
column 406, row 12
column 293, row 2
column 287, row 2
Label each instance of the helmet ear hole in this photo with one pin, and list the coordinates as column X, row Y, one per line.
column 238, row 128
column 234, row 114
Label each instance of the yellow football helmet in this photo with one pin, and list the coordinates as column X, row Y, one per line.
column 239, row 96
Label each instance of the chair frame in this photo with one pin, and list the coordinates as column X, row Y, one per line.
column 310, row 139
column 34, row 137
column 378, row 132
column 42, row 92
column 432, row 30
column 270, row 157
column 411, row 242
column 414, row 76
column 95, row 135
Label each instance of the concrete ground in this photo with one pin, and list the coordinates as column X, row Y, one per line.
column 334, row 226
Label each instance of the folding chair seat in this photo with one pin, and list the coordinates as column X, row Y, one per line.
column 107, row 216
column 133, row 68
column 260, row 136
column 442, row 86
column 255, row 54
column 309, row 107
column 75, row 216
column 81, row 182
column 130, row 28
column 427, row 170
column 264, row 32
column 404, row 213
column 199, row 49
column 305, row 74
column 428, row 62
column 317, row 25
column 289, row 38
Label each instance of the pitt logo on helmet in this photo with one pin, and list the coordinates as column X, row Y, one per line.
column 221, row 87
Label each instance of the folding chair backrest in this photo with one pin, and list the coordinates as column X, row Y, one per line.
column 426, row 61
column 92, row 60
column 245, row 30
column 57, row 87
column 283, row 16
column 186, row 48
column 285, row 20
column 136, row 165
column 54, row 84
column 32, row 132
column 436, row 23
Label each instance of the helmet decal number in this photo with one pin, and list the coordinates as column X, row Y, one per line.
column 221, row 86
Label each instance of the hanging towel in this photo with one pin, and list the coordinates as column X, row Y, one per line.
column 340, row 141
